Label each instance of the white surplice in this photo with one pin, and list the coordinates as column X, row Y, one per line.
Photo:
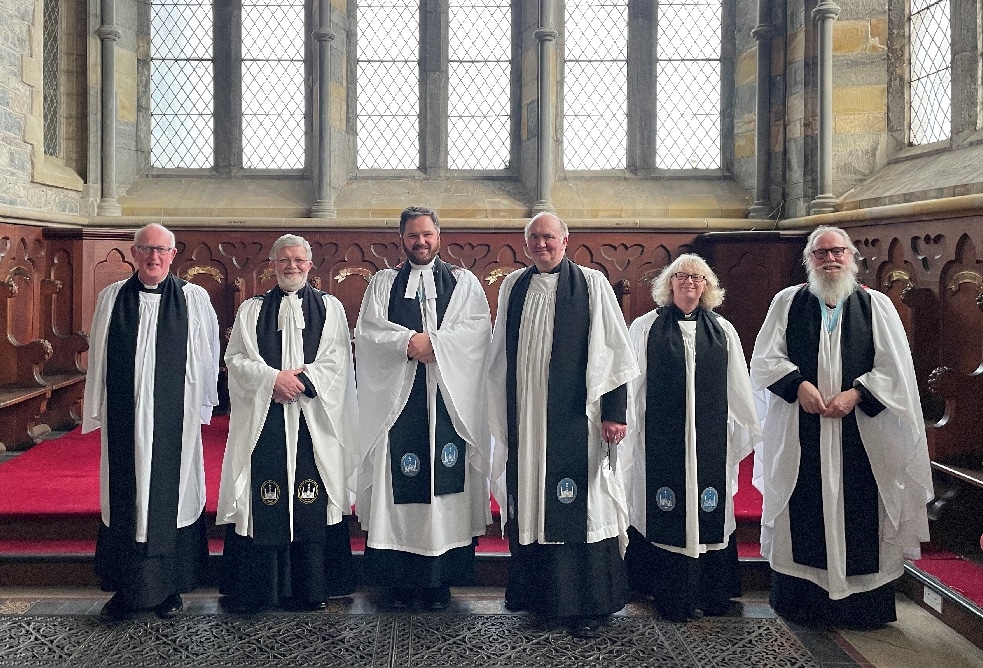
column 331, row 416
column 610, row 364
column 200, row 395
column 385, row 378
column 743, row 430
column 894, row 441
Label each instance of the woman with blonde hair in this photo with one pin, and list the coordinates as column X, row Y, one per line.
column 691, row 420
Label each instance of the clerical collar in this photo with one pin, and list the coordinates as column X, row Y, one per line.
column 154, row 289
column 690, row 316
column 421, row 281
column 554, row 270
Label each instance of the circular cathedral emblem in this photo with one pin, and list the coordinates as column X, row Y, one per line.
column 566, row 490
column 410, row 464
column 269, row 492
column 448, row 455
column 709, row 499
column 307, row 491
column 666, row 498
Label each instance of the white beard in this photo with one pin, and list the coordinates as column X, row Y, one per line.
column 832, row 290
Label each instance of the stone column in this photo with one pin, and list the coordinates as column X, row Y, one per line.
column 546, row 35
column 324, row 207
column 824, row 14
column 109, row 34
column 762, row 120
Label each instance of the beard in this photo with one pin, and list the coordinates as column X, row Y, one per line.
column 420, row 256
column 833, row 289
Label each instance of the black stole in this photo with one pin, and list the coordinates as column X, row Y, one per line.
column 567, row 427
column 169, row 377
column 665, row 428
column 268, row 462
column 409, row 437
column 859, row 486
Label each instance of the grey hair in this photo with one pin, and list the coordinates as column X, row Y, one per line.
column 546, row 214
column 818, row 232
column 288, row 241
column 138, row 233
column 713, row 295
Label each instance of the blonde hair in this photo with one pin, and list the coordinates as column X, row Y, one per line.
column 691, row 263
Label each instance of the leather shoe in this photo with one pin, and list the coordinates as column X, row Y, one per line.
column 584, row 627
column 116, row 609
column 238, row 606
column 437, row 598
column 400, row 598
column 169, row 607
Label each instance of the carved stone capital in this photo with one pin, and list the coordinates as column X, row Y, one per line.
column 324, row 35
column 546, row 34
column 825, row 10
column 109, row 32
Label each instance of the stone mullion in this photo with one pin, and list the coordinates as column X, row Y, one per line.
column 109, row 34
column 762, row 118
column 324, row 207
column 545, row 149
column 227, row 74
column 965, row 73
column 434, row 68
column 825, row 14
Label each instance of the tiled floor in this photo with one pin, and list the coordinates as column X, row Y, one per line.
column 917, row 640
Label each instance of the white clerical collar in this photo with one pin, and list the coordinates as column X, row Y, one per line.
column 291, row 312
column 421, row 275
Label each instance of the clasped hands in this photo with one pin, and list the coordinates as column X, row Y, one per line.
column 838, row 406
column 287, row 387
column 420, row 348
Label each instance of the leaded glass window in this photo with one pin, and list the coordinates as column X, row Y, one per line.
column 50, row 88
column 479, row 99
column 273, row 84
column 595, row 84
column 181, row 72
column 930, row 83
column 388, row 84
column 687, row 109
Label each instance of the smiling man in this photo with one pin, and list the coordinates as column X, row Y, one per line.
column 557, row 374
column 844, row 465
column 291, row 450
column 421, row 339
column 151, row 383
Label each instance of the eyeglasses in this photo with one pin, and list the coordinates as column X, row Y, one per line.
column 822, row 253
column 160, row 250
column 682, row 277
column 287, row 261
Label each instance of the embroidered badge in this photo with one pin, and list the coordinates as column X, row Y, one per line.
column 269, row 492
column 709, row 499
column 566, row 490
column 511, row 507
column 666, row 498
column 410, row 464
column 448, row 455
column 307, row 491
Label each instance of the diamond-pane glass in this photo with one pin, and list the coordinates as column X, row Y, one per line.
column 388, row 84
column 479, row 86
column 687, row 84
column 687, row 114
column 930, row 77
column 50, row 25
column 595, row 84
column 181, row 82
column 273, row 101
column 595, row 119
column 699, row 22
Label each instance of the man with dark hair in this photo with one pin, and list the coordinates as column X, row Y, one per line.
column 285, row 490
column 151, row 383
column 844, row 465
column 421, row 339
column 557, row 373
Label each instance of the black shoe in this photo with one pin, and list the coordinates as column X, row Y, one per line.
column 305, row 605
column 169, row 607
column 400, row 598
column 585, row 627
column 516, row 604
column 437, row 598
column 116, row 609
column 238, row 606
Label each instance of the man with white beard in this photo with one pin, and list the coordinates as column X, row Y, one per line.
column 844, row 465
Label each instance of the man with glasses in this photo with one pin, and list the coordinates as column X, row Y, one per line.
column 844, row 465
column 422, row 334
column 557, row 373
column 151, row 383
column 285, row 491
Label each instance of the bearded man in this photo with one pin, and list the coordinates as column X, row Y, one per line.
column 421, row 339
column 844, row 465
